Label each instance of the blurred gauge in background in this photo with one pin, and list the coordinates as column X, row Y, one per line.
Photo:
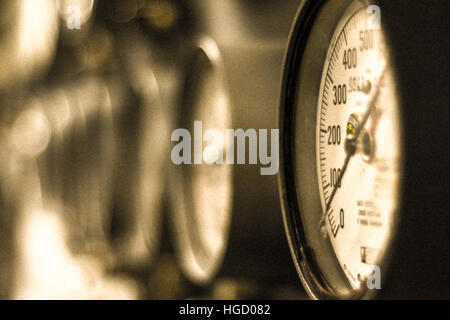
column 85, row 152
column 226, row 219
column 201, row 194
column 63, row 153
column 90, row 153
column 142, row 159
column 88, row 143
column 148, row 50
column 59, row 246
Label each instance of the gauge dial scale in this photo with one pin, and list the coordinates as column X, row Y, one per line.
column 363, row 207
column 348, row 148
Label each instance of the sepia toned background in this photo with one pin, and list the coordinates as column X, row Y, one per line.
column 91, row 205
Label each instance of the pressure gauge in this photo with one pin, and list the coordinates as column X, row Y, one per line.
column 357, row 146
column 343, row 146
column 201, row 193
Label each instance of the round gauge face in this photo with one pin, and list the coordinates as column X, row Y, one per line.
column 211, row 183
column 203, row 216
column 357, row 146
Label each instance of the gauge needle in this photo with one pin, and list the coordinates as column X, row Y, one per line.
column 350, row 140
